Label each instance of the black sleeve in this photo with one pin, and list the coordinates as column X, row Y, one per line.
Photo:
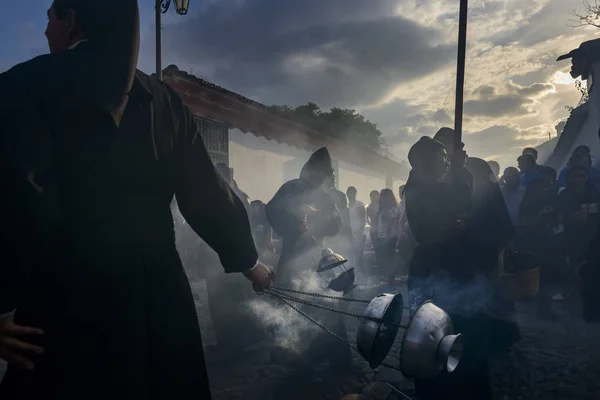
column 205, row 200
column 284, row 211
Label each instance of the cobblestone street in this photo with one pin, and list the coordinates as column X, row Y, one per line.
column 554, row 360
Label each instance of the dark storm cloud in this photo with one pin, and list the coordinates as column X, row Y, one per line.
column 484, row 92
column 499, row 106
column 517, row 102
column 441, row 116
column 342, row 52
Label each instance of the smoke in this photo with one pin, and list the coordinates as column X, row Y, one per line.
column 292, row 331
column 455, row 297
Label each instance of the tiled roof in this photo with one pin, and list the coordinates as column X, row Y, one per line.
column 208, row 100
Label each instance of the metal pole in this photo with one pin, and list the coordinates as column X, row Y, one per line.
column 158, row 41
column 460, row 72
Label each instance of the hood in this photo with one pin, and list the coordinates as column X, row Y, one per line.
column 318, row 167
column 114, row 41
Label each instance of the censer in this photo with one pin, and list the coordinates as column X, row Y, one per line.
column 429, row 344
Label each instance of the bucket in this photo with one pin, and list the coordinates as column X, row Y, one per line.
column 521, row 285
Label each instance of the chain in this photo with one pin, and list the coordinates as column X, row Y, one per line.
column 306, row 303
column 314, row 321
column 284, row 299
column 322, row 296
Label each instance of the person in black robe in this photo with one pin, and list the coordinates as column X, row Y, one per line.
column 442, row 268
column 92, row 153
column 304, row 213
column 490, row 232
column 542, row 235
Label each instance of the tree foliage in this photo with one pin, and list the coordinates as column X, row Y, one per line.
column 588, row 14
column 343, row 124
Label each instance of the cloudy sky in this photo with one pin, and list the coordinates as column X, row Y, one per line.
column 392, row 60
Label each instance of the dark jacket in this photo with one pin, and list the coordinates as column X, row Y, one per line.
column 88, row 243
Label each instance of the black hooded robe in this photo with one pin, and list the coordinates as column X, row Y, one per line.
column 88, row 242
column 300, row 250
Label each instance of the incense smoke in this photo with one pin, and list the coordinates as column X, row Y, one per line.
column 291, row 330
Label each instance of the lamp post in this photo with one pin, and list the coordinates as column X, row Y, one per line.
column 460, row 72
column 162, row 6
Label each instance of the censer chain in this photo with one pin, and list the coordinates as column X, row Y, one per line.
column 323, row 296
column 348, row 299
column 306, row 303
column 335, row 335
column 314, row 321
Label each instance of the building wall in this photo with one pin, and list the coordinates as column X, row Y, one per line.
column 261, row 166
column 588, row 134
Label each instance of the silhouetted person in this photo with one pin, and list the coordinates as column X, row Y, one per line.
column 372, row 212
column 358, row 219
column 446, row 136
column 92, row 153
column 387, row 235
column 442, row 268
column 495, row 167
column 578, row 206
column 530, row 170
column 540, row 222
column 513, row 193
column 304, row 213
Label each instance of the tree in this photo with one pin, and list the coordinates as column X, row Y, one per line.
column 588, row 15
column 343, row 124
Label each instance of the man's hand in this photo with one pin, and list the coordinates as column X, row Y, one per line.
column 12, row 348
column 261, row 277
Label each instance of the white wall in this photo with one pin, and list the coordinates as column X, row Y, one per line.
column 261, row 166
column 589, row 132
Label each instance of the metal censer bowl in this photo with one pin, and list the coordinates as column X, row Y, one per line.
column 377, row 333
column 429, row 345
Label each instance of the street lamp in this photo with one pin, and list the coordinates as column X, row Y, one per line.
column 162, row 6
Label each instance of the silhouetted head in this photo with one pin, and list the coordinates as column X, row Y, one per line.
column 387, row 199
column 495, row 167
column 429, row 158
column 112, row 28
column 446, row 137
column 584, row 153
column 318, row 170
column 351, row 192
column 526, row 163
column 482, row 173
column 258, row 208
column 511, row 177
column 374, row 196
column 533, row 152
column 550, row 174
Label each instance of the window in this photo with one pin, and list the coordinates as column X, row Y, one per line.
column 216, row 139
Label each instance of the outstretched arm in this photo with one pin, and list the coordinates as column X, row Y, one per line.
column 205, row 200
